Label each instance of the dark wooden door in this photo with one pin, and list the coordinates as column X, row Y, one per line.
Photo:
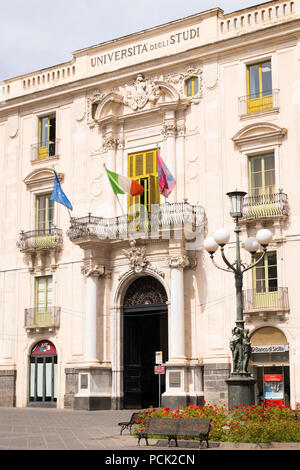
column 145, row 332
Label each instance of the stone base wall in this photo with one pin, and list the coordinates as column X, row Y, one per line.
column 71, row 387
column 8, row 388
column 215, row 387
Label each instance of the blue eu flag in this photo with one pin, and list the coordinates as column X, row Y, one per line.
column 58, row 195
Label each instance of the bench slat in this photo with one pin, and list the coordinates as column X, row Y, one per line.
column 176, row 427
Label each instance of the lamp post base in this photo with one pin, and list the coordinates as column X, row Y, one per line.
column 240, row 390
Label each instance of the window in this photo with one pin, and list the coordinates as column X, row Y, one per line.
column 259, row 82
column 43, row 300
column 262, row 200
column 142, row 167
column 44, row 237
column 44, row 214
column 262, row 175
column 47, row 137
column 265, row 281
column 192, row 86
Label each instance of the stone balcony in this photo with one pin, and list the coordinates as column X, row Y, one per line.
column 40, row 240
column 169, row 220
column 266, row 206
column 258, row 103
column 37, row 320
column 52, row 151
column 266, row 303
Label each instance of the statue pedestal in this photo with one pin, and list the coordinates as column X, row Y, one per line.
column 240, row 390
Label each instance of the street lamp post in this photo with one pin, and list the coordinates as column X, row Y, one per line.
column 240, row 383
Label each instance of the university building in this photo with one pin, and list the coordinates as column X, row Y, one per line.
column 89, row 296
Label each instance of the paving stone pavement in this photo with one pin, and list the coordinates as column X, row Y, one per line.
column 54, row 429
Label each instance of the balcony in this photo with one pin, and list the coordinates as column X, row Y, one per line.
column 254, row 103
column 265, row 206
column 168, row 220
column 50, row 149
column 37, row 320
column 262, row 303
column 40, row 240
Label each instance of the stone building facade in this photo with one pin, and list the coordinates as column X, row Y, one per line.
column 89, row 296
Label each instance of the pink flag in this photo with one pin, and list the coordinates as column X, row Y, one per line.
column 165, row 179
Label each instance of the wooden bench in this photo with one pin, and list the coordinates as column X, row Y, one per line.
column 173, row 428
column 131, row 422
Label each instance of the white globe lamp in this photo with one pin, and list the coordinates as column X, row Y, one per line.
column 210, row 245
column 251, row 245
column 264, row 236
column 222, row 236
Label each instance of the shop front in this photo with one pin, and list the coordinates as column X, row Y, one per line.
column 270, row 366
column 43, row 375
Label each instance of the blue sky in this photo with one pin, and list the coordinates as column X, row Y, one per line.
column 35, row 34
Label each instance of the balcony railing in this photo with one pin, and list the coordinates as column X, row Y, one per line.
column 176, row 217
column 267, row 205
column 40, row 240
column 48, row 149
column 255, row 103
column 277, row 300
column 36, row 318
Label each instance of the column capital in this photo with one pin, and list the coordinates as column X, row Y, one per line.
column 90, row 268
column 178, row 261
column 169, row 129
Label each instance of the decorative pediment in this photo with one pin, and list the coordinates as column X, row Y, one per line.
column 259, row 132
column 128, row 100
column 42, row 177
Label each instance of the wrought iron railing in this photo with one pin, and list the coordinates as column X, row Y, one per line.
column 267, row 205
column 47, row 318
column 168, row 216
column 40, row 239
column 257, row 102
column 272, row 300
column 39, row 151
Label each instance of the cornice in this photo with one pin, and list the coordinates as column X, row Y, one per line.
column 199, row 54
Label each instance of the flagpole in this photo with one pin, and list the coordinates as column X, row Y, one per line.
column 58, row 181
column 157, row 149
column 122, row 210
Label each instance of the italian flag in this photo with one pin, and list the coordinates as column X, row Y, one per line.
column 123, row 185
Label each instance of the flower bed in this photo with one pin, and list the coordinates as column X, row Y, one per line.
column 253, row 424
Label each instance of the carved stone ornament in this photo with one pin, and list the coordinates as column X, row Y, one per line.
column 140, row 93
column 180, row 261
column 138, row 262
column 110, row 143
column 169, row 129
column 91, row 269
column 136, row 256
column 178, row 81
column 94, row 99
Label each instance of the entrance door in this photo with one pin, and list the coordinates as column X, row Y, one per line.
column 145, row 332
column 43, row 375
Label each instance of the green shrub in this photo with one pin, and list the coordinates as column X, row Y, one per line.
column 253, row 424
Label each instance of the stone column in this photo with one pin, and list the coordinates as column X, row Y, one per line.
column 92, row 274
column 176, row 334
column 94, row 379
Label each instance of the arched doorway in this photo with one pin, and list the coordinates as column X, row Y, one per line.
column 270, row 365
column 145, row 315
column 43, row 375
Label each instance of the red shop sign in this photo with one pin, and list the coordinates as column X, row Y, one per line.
column 273, row 378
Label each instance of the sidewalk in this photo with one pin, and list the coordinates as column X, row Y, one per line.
column 52, row 429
